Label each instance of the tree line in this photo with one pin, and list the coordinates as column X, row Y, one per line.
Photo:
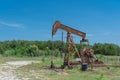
column 50, row 48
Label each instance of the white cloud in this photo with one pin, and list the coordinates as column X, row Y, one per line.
column 90, row 35
column 100, row 34
column 11, row 24
column 107, row 33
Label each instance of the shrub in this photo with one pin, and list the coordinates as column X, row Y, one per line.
column 9, row 53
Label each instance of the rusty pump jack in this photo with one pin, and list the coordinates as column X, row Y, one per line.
column 58, row 25
column 71, row 47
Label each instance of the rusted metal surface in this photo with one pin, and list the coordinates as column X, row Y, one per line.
column 86, row 55
column 58, row 25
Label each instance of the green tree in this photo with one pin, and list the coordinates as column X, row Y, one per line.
column 33, row 51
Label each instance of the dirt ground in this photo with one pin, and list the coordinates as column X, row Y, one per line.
column 8, row 70
column 38, row 69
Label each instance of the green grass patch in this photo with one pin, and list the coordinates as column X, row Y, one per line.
column 41, row 71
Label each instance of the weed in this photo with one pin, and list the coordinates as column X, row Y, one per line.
column 101, row 77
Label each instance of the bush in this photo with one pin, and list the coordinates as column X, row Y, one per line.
column 46, row 48
column 33, row 51
column 9, row 53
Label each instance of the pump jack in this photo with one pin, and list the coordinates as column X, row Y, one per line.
column 84, row 54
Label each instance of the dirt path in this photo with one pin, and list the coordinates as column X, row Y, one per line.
column 8, row 70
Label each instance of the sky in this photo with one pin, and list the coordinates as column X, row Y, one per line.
column 33, row 19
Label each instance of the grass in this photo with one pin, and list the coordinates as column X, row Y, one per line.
column 40, row 71
column 11, row 58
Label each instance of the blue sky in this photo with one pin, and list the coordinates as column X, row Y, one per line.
column 33, row 19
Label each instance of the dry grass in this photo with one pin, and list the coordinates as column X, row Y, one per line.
column 40, row 71
column 37, row 72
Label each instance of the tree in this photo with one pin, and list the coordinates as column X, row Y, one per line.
column 106, row 49
column 33, row 51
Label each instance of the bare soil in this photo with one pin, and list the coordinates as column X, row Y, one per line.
column 8, row 70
